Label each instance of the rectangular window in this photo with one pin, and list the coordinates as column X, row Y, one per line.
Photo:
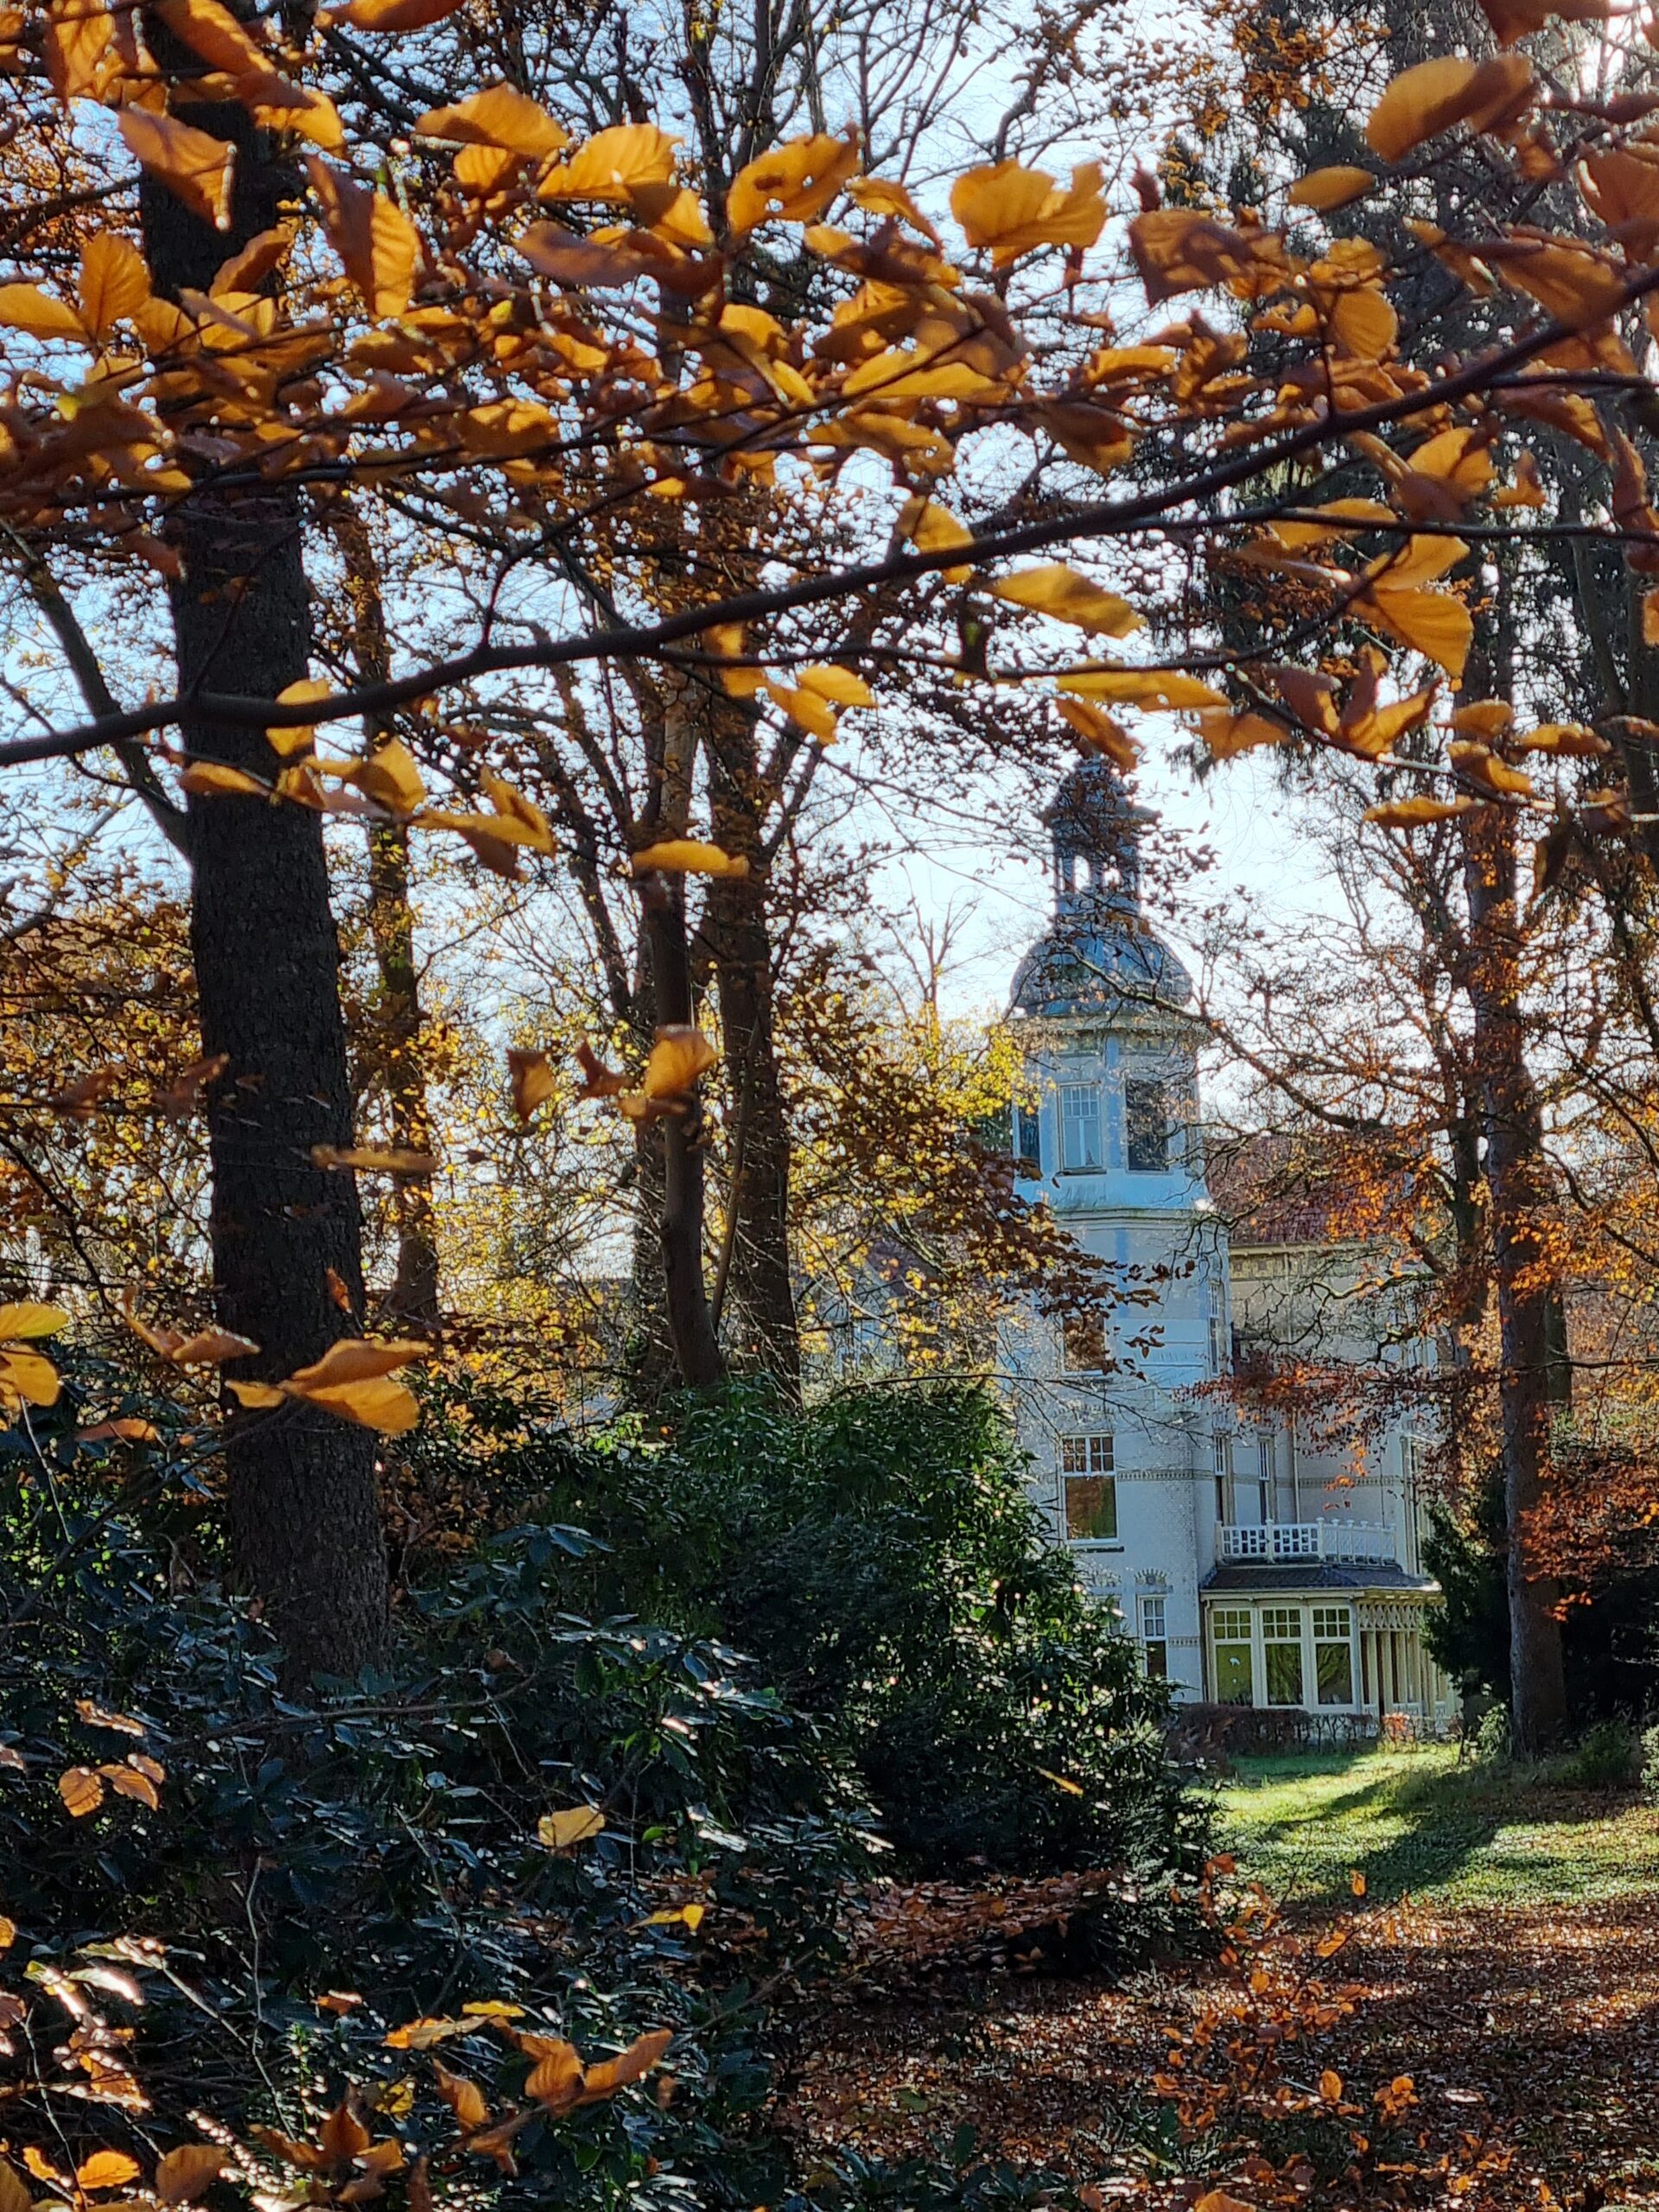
column 1223, row 1448
column 1080, row 1145
column 1154, row 1641
column 1219, row 1362
column 1145, row 1124
column 1266, row 1464
column 1231, row 1637
column 1082, row 1343
column 1028, row 1141
column 1282, row 1653
column 1333, row 1655
column 1089, row 1489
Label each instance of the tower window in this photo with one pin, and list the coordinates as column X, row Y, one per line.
column 1080, row 1145
column 1146, row 1117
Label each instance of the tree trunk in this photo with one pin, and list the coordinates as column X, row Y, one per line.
column 399, row 1017
column 1518, row 1185
column 690, row 1324
column 303, row 1516
column 757, row 1282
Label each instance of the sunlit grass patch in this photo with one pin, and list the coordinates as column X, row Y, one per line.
column 1416, row 1823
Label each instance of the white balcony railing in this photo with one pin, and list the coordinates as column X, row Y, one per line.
column 1286, row 1542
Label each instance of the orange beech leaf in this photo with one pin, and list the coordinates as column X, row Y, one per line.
column 1565, row 741
column 463, row 2096
column 1059, row 591
column 196, row 169
column 1482, row 766
column 1432, row 96
column 287, row 739
column 792, row 183
column 1327, row 188
column 76, row 38
column 216, row 779
column 1177, row 250
column 397, row 15
column 598, row 1080
column 389, row 776
column 214, row 32
column 355, row 1359
column 576, row 1824
column 631, row 2065
column 570, row 258
column 98, row 1716
column 1150, row 688
column 128, row 1430
column 1513, row 19
column 1483, row 718
column 38, row 313
column 26, row 1377
column 186, row 2172
column 691, row 1916
column 107, row 2170
column 533, row 1081
column 881, row 195
column 114, row 282
column 375, row 1160
column 687, row 856
column 1226, row 734
column 129, row 1782
column 841, row 686
column 29, row 1318
column 81, row 1790
column 1100, row 734
column 679, row 1056
column 375, row 241
column 246, row 270
column 804, row 706
column 933, row 529
column 498, row 115
column 423, row 2034
column 555, row 2081
column 1414, row 814
column 614, row 166
column 1363, row 324
column 1013, row 209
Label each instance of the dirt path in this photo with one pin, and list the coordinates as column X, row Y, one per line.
column 1530, row 2035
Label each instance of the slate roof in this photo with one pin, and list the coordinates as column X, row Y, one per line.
column 1244, row 1577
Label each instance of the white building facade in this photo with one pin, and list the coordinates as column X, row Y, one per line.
column 1252, row 1567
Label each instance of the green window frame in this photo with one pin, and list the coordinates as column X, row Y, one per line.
column 1282, row 1654
column 1234, row 1659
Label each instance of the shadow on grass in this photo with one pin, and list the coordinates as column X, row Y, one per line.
column 1411, row 1829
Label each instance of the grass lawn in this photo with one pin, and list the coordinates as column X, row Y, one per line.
column 1415, row 1824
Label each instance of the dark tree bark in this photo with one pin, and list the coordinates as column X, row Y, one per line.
column 1528, row 1315
column 399, row 1018
column 303, row 1516
column 690, row 1323
column 757, row 1284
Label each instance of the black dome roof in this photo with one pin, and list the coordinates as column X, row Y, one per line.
column 1100, row 954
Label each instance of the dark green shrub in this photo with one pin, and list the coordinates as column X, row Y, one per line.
column 1610, row 1758
column 879, row 1557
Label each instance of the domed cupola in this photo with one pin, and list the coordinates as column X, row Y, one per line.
column 1100, row 954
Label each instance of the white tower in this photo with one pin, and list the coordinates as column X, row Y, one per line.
column 1126, row 1458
